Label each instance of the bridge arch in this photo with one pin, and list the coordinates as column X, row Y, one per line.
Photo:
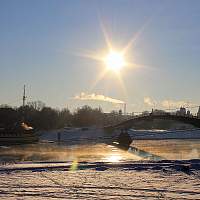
column 130, row 122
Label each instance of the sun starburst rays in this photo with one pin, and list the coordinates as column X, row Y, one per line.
column 114, row 60
column 106, row 37
column 98, row 78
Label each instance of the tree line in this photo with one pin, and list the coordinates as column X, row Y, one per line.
column 42, row 117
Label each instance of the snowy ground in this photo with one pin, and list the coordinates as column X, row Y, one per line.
column 149, row 180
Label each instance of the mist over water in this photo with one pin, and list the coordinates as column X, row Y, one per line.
column 174, row 149
column 140, row 150
column 56, row 152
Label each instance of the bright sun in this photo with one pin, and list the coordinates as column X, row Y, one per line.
column 114, row 61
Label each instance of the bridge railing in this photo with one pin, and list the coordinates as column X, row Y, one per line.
column 131, row 115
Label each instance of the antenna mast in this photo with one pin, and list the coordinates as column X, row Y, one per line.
column 24, row 96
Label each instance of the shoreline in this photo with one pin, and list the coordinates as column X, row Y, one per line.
column 193, row 164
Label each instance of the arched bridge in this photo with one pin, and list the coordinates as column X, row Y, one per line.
column 125, row 125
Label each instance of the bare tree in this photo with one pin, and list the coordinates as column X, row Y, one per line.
column 37, row 105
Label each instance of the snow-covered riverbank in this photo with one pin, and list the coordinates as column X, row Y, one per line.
column 92, row 135
column 79, row 136
column 139, row 180
column 164, row 134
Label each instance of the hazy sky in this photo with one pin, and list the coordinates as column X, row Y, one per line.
column 40, row 44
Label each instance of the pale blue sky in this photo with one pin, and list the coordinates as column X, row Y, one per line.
column 39, row 41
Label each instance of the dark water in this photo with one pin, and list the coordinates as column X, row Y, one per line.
column 140, row 150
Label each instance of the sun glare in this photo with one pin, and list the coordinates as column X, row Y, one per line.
column 113, row 158
column 114, row 61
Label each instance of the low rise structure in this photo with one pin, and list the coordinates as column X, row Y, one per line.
column 181, row 112
column 198, row 113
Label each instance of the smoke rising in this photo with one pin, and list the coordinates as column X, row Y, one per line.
column 97, row 97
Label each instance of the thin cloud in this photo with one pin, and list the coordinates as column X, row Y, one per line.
column 168, row 104
column 97, row 97
column 176, row 104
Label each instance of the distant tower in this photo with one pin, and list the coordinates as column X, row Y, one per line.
column 198, row 113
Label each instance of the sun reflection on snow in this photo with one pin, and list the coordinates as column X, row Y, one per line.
column 113, row 158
